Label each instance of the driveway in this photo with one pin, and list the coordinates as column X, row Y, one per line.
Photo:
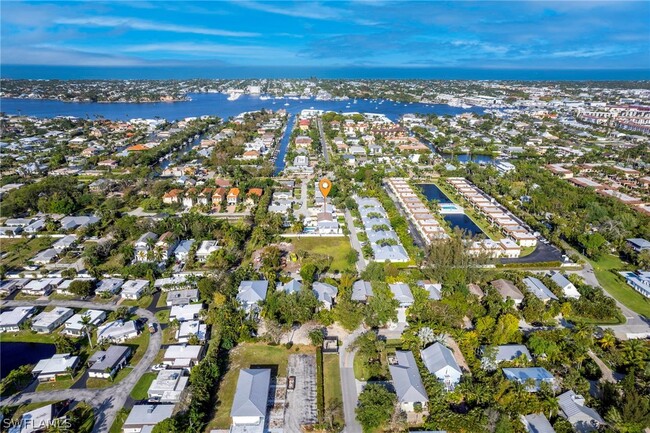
column 349, row 383
column 105, row 402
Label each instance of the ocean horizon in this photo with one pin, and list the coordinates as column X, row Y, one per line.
column 275, row 72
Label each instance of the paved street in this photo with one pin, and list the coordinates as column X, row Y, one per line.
column 303, row 198
column 354, row 241
column 349, row 383
column 105, row 402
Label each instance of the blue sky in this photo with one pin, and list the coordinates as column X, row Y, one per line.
column 364, row 33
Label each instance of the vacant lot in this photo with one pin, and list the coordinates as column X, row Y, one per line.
column 245, row 356
column 19, row 251
column 332, row 382
column 338, row 248
column 606, row 270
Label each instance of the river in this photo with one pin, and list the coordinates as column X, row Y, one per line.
column 13, row 355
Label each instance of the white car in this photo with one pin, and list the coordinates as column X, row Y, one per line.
column 159, row 367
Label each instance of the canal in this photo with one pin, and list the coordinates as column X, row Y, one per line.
column 15, row 354
column 457, row 220
column 280, row 163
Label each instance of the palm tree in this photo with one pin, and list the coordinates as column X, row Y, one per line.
column 86, row 321
column 635, row 353
column 608, row 340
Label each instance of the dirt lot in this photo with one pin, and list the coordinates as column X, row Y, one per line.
column 301, row 402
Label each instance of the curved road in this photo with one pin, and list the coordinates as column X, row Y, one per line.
column 107, row 401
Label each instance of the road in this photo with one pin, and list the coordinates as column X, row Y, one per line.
column 349, row 383
column 105, row 402
column 636, row 326
column 323, row 141
column 354, row 241
column 303, row 198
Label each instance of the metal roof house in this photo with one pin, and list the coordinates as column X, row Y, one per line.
column 407, row 382
column 567, row 286
column 47, row 370
column 534, row 375
column 440, row 362
column 74, row 325
column 48, row 321
column 251, row 399
column 402, row 293
column 325, row 293
column 117, row 331
column 537, row 423
column 494, row 355
column 143, row 416
column 11, row 320
column 539, row 289
column 434, row 289
column 251, row 293
column 361, row 291
column 293, row 286
column 583, row 419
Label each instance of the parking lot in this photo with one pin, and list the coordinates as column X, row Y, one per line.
column 301, row 401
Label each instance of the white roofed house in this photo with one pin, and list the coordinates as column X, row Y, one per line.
column 433, row 289
column 183, row 355
column 251, row 293
column 583, row 419
column 402, row 293
column 250, row 403
column 537, row 423
column 12, row 320
column 408, row 382
column 48, row 321
column 144, row 247
column 45, row 257
column 205, row 249
column 539, row 289
column 492, row 356
column 168, row 386
column 190, row 328
column 293, row 286
column 182, row 297
column 65, row 243
column 41, row 287
column 186, row 312
column 325, row 294
column 61, row 364
column 568, row 288
column 74, row 325
column 109, row 286
column 143, row 417
column 117, row 331
column 134, row 289
column 440, row 362
column 164, row 247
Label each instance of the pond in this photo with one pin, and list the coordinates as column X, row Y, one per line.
column 460, row 220
column 15, row 354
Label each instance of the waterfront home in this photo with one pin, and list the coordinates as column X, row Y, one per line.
column 48, row 321
column 74, row 325
column 105, row 364
column 61, row 364
column 440, row 362
column 250, row 403
column 408, row 383
column 583, row 418
column 11, row 320
column 183, row 355
column 134, row 289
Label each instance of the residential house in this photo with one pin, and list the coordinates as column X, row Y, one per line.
column 168, row 386
column 361, row 291
column 173, row 196
column 251, row 400
column 186, row 312
column 105, row 364
column 568, row 288
column 65, row 243
column 11, row 320
column 218, row 197
column 74, row 222
column 205, row 197
column 7, row 287
column 74, row 325
column 531, row 377
column 164, row 247
column 440, row 362
column 144, row 247
column 293, row 286
column 183, row 355
column 537, row 423
column 48, row 321
column 583, row 419
column 402, row 293
column 325, row 294
column 117, row 331
column 507, row 289
column 433, row 289
column 492, row 356
column 232, row 197
column 408, row 383
column 134, row 289
column 182, row 297
column 41, row 287
column 61, row 364
column 539, row 289
column 41, row 419
column 205, row 249
column 638, row 244
column 144, row 416
column 639, row 281
column 190, row 328
column 109, row 286
column 182, row 251
column 251, row 293
column 189, row 198
column 45, row 257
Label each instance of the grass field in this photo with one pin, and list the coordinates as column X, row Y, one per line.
column 142, row 342
column 63, row 382
column 606, row 270
column 163, row 316
column 20, row 250
column 162, row 300
column 244, row 356
column 122, row 415
column 140, row 389
column 336, row 247
column 27, row 337
column 143, row 302
column 332, row 381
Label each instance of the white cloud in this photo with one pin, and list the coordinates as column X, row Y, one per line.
column 138, row 24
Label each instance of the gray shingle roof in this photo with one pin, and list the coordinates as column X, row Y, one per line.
column 539, row 289
column 252, row 392
column 361, row 290
column 436, row 357
column 406, row 379
column 537, row 423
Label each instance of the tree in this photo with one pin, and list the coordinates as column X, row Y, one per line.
column 382, row 307
column 81, row 288
column 375, row 407
column 316, row 337
column 86, row 321
column 307, row 272
column 63, row 344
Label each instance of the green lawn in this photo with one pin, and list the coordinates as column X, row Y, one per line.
column 332, row 380
column 122, row 415
column 336, row 247
column 143, row 302
column 84, row 413
column 96, row 382
column 163, row 316
column 162, row 300
column 20, row 250
column 113, row 264
column 606, row 270
column 142, row 341
column 63, row 382
column 140, row 389
column 27, row 336
column 244, row 356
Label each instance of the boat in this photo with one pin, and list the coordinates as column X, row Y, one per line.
column 264, row 98
column 286, row 104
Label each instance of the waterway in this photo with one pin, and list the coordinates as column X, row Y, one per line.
column 280, row 163
column 457, row 220
column 217, row 104
column 13, row 355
